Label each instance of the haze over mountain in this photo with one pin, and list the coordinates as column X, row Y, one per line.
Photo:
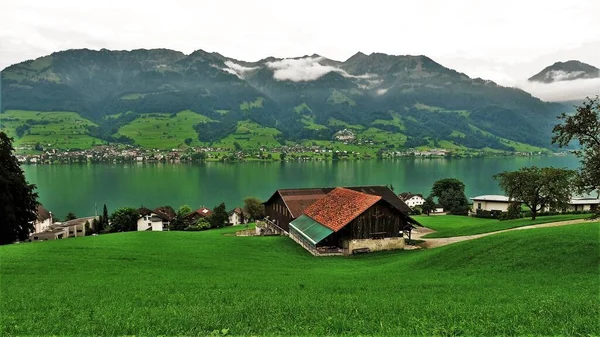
column 309, row 97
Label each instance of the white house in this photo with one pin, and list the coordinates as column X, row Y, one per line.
column 583, row 204
column 491, row 203
column 154, row 220
column 412, row 200
column 236, row 217
column 43, row 219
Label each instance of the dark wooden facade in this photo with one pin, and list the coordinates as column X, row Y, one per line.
column 277, row 211
column 379, row 221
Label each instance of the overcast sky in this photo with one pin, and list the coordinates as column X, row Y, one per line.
column 505, row 41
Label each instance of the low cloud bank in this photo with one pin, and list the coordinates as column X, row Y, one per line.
column 563, row 90
column 306, row 69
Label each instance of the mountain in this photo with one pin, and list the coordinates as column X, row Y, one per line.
column 566, row 71
column 412, row 98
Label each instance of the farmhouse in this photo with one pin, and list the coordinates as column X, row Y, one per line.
column 154, row 220
column 341, row 220
column 412, row 200
column 491, row 203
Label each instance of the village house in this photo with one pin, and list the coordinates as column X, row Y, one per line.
column 43, row 219
column 412, row 200
column 67, row 229
column 237, row 217
column 155, row 220
column 201, row 212
column 491, row 203
column 583, row 204
column 340, row 220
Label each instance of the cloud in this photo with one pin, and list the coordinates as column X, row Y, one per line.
column 306, row 69
column 561, row 75
column 562, row 90
column 381, row 92
column 237, row 69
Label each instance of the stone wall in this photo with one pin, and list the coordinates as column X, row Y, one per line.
column 374, row 245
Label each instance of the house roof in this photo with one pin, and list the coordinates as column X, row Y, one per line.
column 144, row 211
column 42, row 213
column 202, row 211
column 584, row 201
column 492, row 197
column 298, row 199
column 165, row 212
column 339, row 207
column 407, row 195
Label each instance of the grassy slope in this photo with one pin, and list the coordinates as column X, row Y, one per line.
column 162, row 131
column 538, row 282
column 65, row 130
column 454, row 225
column 250, row 136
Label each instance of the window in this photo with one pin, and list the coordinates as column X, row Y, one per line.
column 478, row 205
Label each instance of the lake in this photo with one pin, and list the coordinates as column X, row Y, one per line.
column 79, row 188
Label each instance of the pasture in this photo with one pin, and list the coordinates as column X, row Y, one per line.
column 536, row 282
column 454, row 225
column 58, row 129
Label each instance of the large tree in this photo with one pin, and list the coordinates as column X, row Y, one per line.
column 428, row 206
column 584, row 126
column 451, row 195
column 254, row 208
column 179, row 223
column 538, row 188
column 18, row 201
column 219, row 216
column 124, row 219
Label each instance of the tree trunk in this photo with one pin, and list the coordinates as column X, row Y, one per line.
column 533, row 214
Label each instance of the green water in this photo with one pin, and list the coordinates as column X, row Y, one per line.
column 78, row 188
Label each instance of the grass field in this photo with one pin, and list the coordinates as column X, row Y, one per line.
column 537, row 282
column 250, row 136
column 164, row 131
column 454, row 225
column 63, row 130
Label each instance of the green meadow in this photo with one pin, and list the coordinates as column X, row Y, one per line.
column 164, row 131
column 537, row 282
column 250, row 135
column 63, row 130
column 454, row 225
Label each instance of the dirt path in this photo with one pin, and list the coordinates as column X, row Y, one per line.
column 419, row 232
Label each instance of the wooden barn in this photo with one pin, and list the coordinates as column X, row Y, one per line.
column 336, row 220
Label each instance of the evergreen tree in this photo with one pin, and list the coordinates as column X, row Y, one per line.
column 219, row 216
column 104, row 223
column 18, row 201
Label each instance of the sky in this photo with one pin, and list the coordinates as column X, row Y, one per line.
column 505, row 41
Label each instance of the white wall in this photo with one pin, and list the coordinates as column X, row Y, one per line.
column 490, row 205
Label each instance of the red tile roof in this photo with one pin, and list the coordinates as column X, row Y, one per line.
column 339, row 207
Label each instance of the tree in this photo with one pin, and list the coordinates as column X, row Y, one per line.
column 428, row 206
column 537, row 187
column 178, row 222
column 18, row 201
column 219, row 216
column 451, row 195
column 254, row 208
column 124, row 219
column 104, row 223
column 70, row 216
column 584, row 126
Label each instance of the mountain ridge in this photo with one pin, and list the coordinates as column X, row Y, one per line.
column 566, row 71
column 396, row 94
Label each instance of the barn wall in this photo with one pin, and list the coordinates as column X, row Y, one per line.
column 278, row 212
column 378, row 218
column 374, row 245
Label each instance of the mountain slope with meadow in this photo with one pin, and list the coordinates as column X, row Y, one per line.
column 408, row 101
